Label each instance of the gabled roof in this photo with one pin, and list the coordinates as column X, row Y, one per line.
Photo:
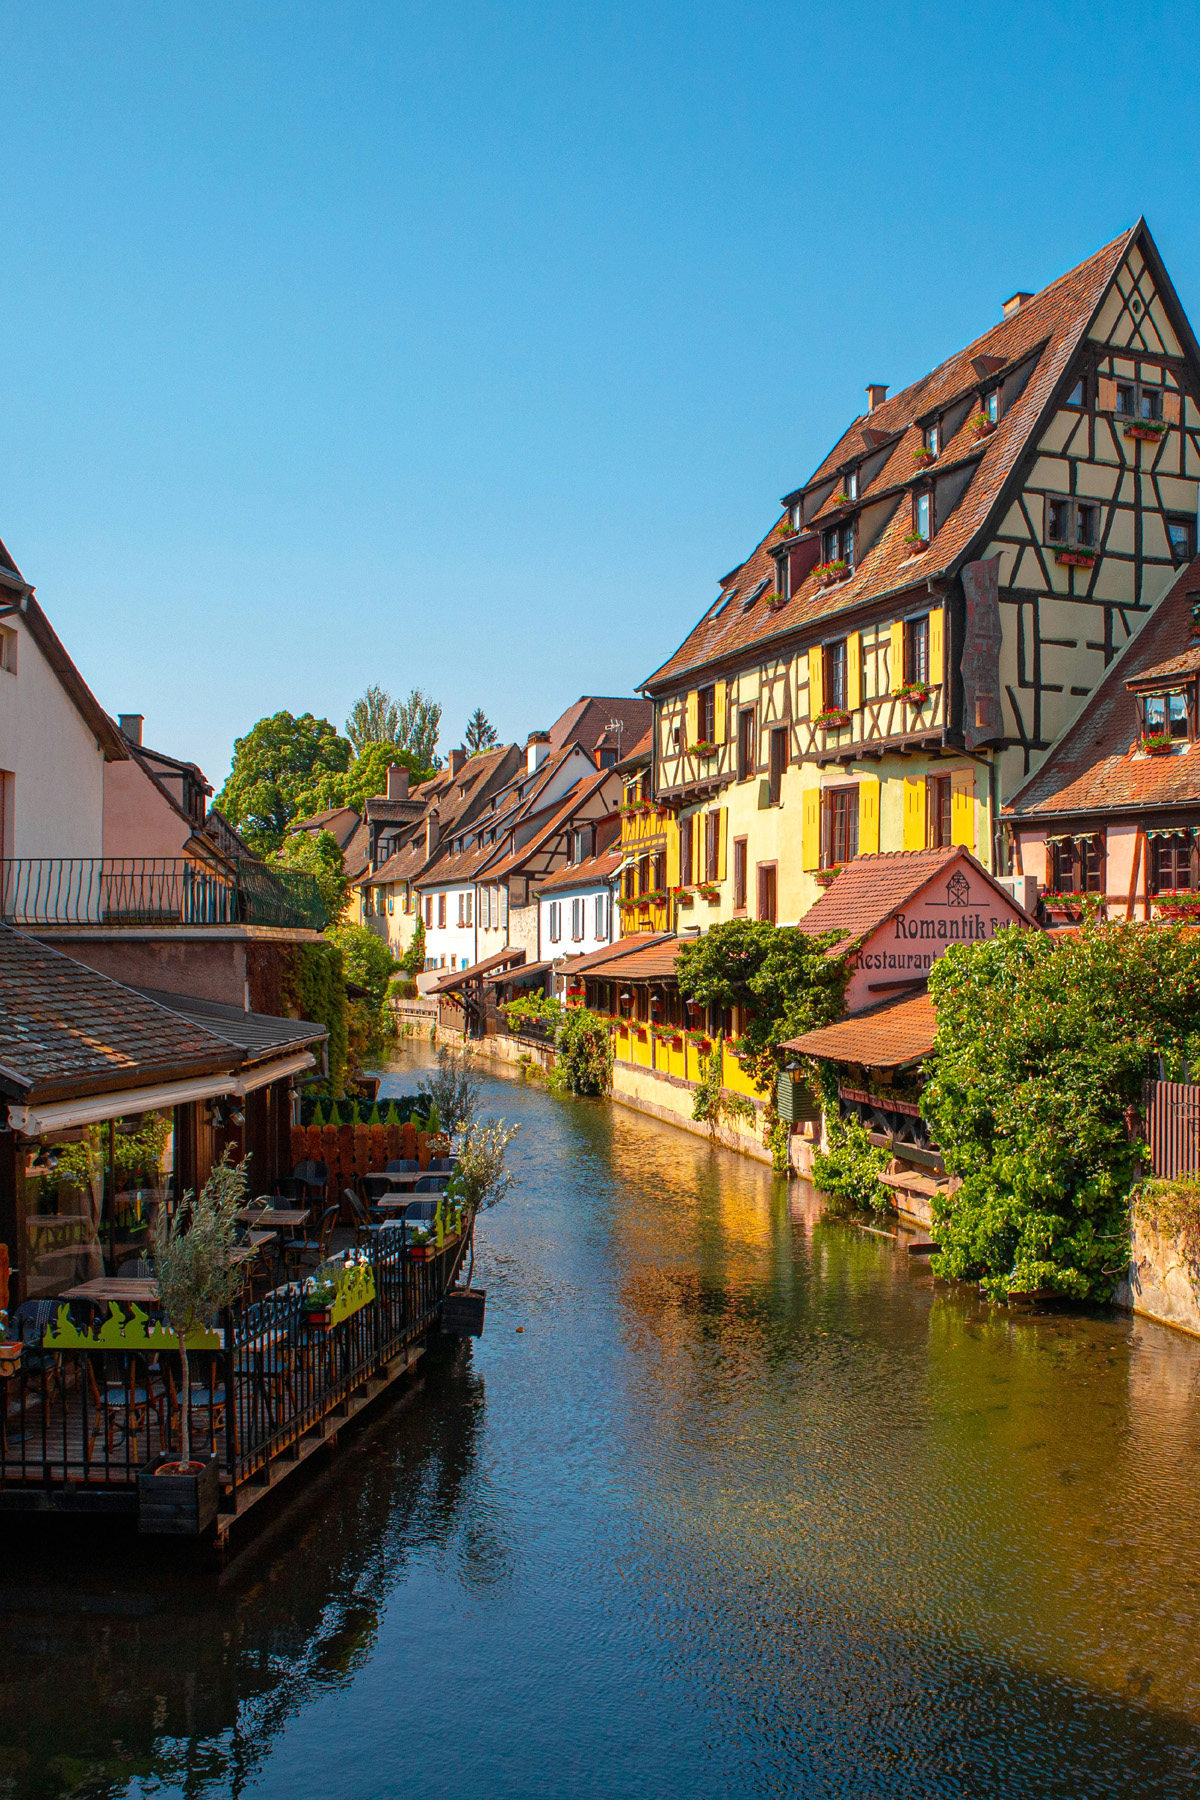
column 341, row 822
column 888, row 1036
column 487, row 965
column 639, row 756
column 66, row 1030
column 593, row 960
column 586, row 722
column 650, row 956
column 871, row 889
column 105, row 732
column 259, row 1036
column 592, row 872
column 1094, row 769
column 1041, row 337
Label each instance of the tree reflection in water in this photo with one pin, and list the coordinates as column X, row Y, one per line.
column 120, row 1669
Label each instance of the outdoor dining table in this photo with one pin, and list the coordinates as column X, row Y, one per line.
column 111, row 1287
column 282, row 1218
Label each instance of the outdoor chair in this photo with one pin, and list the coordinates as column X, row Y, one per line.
column 441, row 1164
column 291, row 1188
column 314, row 1249
column 364, row 1230
column 206, row 1412
column 430, row 1184
column 27, row 1326
column 313, row 1175
column 124, row 1404
column 402, row 1165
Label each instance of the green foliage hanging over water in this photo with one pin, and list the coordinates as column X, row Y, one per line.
column 583, row 1060
column 1042, row 1048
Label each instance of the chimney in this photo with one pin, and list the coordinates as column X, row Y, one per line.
column 876, row 394
column 431, row 832
column 1015, row 302
column 457, row 759
column 537, row 750
column 131, row 724
column 397, row 787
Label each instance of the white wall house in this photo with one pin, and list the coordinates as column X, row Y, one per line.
column 54, row 739
column 450, row 941
column 575, row 909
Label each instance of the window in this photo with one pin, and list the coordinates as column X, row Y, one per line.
column 581, row 847
column 1166, row 715
column 1150, row 403
column 441, row 912
column 991, row 406
column 747, row 761
column 8, row 650
column 779, row 761
column 462, row 904
column 850, row 485
column 504, row 906
column 643, row 875
column 916, row 649
column 842, row 835
column 602, row 917
column 1137, row 402
column 941, row 812
column 1181, row 535
column 835, row 676
column 429, row 911
column 555, row 921
column 706, row 715
column 931, row 439
column 471, row 907
column 1078, row 864
column 1072, row 524
column 838, row 544
column 686, row 865
column 766, row 892
column 1078, row 394
column 739, row 874
column 1173, row 862
column 712, row 845
column 577, row 921
column 923, row 515
column 660, row 872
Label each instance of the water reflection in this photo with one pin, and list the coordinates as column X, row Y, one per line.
column 753, row 1507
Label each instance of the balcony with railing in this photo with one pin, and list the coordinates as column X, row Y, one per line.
column 155, row 891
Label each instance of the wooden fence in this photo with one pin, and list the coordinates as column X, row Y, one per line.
column 353, row 1150
column 1172, row 1127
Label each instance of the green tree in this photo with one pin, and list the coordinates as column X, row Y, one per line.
column 365, row 776
column 374, row 719
column 1036, row 1077
column 413, row 960
column 783, row 980
column 419, row 723
column 480, row 734
column 318, row 854
column 276, row 763
column 366, row 959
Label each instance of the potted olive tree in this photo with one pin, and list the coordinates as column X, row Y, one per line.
column 197, row 1278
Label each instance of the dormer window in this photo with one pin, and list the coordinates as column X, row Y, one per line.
column 931, row 439
column 1167, row 715
column 850, row 485
column 923, row 515
column 991, row 406
column 838, row 544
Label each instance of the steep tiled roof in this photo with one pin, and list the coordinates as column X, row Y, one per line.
column 884, row 1037
column 587, row 721
column 1094, row 767
column 592, row 960
column 67, row 1030
column 1048, row 328
column 593, row 871
column 871, row 888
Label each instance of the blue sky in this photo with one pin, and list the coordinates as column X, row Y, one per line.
column 465, row 346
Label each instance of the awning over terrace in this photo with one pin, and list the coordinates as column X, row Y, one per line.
column 888, row 1036
column 488, row 965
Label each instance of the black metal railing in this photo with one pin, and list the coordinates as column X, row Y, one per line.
column 130, row 890
column 93, row 1417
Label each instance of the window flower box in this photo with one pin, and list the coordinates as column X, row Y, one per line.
column 1067, row 908
column 834, row 718
column 710, row 893
column 840, row 500
column 704, row 749
column 982, row 426
column 1074, row 559
column 923, row 458
column 915, row 542
column 1150, row 430
column 827, row 574
column 775, row 602
column 699, row 1041
column 826, row 877
column 915, row 692
column 1156, row 743
column 685, row 897
column 1177, row 903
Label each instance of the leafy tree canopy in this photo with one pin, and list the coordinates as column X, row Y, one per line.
column 366, row 960
column 480, row 734
column 318, row 854
column 374, row 719
column 417, row 729
column 782, row 978
column 1042, row 1047
column 366, row 775
column 275, row 764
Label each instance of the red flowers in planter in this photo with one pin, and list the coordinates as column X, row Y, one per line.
column 832, row 719
column 1156, row 743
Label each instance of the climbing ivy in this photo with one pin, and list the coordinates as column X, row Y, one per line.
column 315, row 985
column 583, row 1061
column 847, row 1171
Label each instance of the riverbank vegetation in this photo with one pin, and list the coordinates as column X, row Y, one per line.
column 583, row 1050
column 1034, row 1091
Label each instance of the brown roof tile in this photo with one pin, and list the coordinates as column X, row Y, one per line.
column 593, row 871
column 1049, row 328
column 1094, row 769
column 887, row 1036
column 871, row 888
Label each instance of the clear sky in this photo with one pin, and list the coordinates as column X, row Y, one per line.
column 465, row 346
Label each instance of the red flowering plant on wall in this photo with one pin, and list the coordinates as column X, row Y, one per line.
column 832, row 719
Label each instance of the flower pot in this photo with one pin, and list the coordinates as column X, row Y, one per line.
column 175, row 1499
column 10, row 1359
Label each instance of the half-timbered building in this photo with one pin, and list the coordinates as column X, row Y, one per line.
column 939, row 599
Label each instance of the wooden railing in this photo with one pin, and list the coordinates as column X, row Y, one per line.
column 1172, row 1127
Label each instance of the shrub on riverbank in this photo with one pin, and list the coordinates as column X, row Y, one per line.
column 583, row 1053
column 1036, row 1079
column 847, row 1172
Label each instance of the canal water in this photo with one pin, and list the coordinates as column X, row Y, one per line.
column 729, row 1500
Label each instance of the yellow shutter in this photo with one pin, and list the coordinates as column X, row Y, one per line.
column 722, row 840
column 914, row 811
column 672, row 853
column 936, row 646
column 896, row 664
column 854, row 685
column 868, row 816
column 962, row 808
column 720, row 709
column 692, row 724
column 810, row 831
column 816, row 681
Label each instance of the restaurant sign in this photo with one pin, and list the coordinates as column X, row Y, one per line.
column 965, row 907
